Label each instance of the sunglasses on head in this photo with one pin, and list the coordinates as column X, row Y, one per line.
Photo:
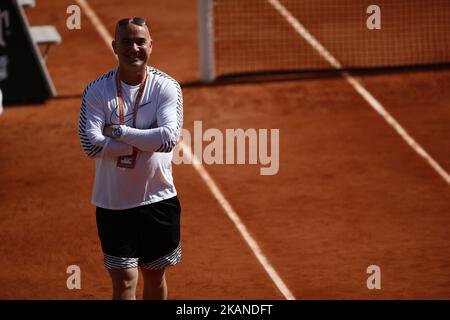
column 136, row 20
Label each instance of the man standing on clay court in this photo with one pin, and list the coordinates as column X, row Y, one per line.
column 130, row 120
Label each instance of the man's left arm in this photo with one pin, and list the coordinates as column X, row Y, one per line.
column 169, row 117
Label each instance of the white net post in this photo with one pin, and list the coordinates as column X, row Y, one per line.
column 206, row 39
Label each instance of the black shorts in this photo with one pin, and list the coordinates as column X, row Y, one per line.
column 147, row 236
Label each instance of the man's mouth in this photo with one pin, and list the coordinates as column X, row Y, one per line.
column 133, row 58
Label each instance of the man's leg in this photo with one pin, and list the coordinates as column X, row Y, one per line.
column 155, row 285
column 124, row 283
column 117, row 230
column 160, row 245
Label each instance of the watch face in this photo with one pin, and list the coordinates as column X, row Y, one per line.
column 117, row 132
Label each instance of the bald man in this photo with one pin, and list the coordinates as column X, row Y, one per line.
column 130, row 121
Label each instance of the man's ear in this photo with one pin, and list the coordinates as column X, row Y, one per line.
column 151, row 45
column 113, row 45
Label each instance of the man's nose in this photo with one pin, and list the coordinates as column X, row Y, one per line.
column 134, row 47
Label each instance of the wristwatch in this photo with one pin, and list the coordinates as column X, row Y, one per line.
column 117, row 132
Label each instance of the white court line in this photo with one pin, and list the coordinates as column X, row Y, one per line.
column 215, row 190
column 374, row 103
column 97, row 23
column 234, row 217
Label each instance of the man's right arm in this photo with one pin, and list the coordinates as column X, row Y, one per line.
column 90, row 130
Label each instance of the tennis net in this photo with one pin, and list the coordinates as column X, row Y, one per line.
column 258, row 36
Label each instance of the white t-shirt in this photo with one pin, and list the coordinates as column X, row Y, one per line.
column 158, row 124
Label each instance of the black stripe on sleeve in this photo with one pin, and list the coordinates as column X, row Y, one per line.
column 168, row 147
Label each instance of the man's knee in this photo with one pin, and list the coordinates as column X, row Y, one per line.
column 124, row 279
column 124, row 284
column 153, row 276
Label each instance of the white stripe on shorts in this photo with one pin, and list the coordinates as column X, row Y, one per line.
column 112, row 262
column 170, row 259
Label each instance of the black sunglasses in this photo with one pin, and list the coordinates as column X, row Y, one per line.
column 136, row 20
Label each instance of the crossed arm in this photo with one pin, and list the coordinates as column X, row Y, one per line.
column 96, row 136
column 151, row 140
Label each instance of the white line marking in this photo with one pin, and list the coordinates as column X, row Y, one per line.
column 374, row 103
column 215, row 190
column 234, row 217
column 104, row 33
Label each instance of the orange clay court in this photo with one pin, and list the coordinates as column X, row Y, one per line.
column 350, row 192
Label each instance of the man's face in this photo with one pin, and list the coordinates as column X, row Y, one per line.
column 133, row 46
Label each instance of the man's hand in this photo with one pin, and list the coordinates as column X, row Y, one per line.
column 107, row 130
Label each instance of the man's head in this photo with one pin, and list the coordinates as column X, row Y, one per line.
column 132, row 43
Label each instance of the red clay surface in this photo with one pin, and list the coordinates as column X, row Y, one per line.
column 350, row 193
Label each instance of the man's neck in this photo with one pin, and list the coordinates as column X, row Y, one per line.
column 132, row 78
